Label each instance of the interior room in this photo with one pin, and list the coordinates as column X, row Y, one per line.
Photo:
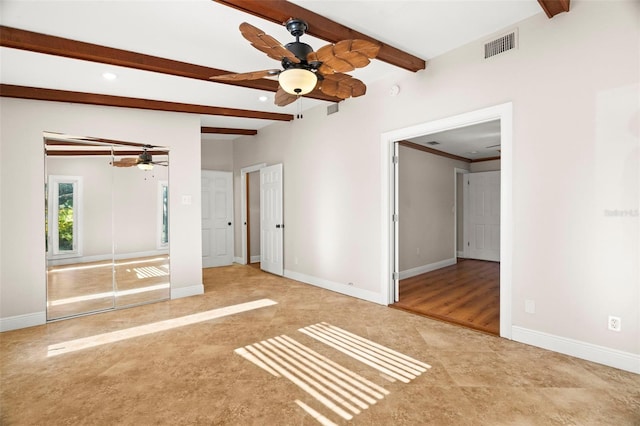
column 273, row 233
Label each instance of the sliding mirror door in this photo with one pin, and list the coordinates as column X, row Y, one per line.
column 107, row 223
column 79, row 231
column 141, row 228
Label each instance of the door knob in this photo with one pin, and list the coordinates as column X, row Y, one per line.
column 229, row 223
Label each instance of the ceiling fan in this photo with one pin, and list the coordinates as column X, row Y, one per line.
column 303, row 69
column 144, row 161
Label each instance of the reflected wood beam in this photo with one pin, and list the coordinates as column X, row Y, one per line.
column 16, row 38
column 554, row 7
column 23, row 92
column 279, row 11
column 228, row 131
column 76, row 152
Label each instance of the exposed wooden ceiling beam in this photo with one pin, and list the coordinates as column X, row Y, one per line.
column 227, row 131
column 279, row 11
column 554, row 7
column 423, row 148
column 22, row 92
column 42, row 43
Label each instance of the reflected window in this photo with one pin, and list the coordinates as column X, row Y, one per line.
column 163, row 219
column 64, row 216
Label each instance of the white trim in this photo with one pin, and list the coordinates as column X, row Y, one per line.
column 238, row 260
column 503, row 112
column 243, row 207
column 456, row 171
column 192, row 290
column 341, row 288
column 427, row 268
column 255, row 259
column 583, row 350
column 23, row 321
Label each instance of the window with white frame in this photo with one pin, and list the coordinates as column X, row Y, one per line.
column 64, row 216
column 163, row 214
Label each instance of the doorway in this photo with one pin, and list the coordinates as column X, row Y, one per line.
column 270, row 216
column 391, row 270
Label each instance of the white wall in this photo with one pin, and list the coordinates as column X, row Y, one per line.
column 217, row 155
column 485, row 166
column 426, row 201
column 573, row 83
column 22, row 268
column 254, row 212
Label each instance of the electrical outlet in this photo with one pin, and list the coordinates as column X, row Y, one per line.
column 615, row 323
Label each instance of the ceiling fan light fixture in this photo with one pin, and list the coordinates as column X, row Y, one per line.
column 297, row 81
column 145, row 166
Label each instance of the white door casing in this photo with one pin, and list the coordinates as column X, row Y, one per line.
column 271, row 220
column 483, row 222
column 217, row 218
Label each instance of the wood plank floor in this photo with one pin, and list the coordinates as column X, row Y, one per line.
column 467, row 293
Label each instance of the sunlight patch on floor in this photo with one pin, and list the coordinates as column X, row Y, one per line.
column 390, row 363
column 342, row 391
column 128, row 333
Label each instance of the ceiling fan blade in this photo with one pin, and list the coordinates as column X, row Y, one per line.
column 125, row 162
column 266, row 44
column 346, row 55
column 283, row 98
column 254, row 75
column 342, row 86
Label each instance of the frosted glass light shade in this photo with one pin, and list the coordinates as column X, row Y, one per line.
column 297, row 81
column 145, row 166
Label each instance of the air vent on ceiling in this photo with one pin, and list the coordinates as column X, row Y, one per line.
column 433, row 143
column 501, row 44
column 332, row 109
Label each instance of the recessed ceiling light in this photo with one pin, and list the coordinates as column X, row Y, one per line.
column 262, row 98
column 109, row 76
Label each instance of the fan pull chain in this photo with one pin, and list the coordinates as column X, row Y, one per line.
column 299, row 114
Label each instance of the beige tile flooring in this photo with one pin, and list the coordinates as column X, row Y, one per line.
column 191, row 374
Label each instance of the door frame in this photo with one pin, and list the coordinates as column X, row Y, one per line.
column 503, row 112
column 458, row 171
column 243, row 208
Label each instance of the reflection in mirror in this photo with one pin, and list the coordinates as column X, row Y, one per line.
column 140, row 224
column 107, row 225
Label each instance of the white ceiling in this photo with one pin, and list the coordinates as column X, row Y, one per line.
column 206, row 33
column 472, row 142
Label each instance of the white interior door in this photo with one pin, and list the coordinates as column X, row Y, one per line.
column 484, row 216
column 271, row 224
column 217, row 218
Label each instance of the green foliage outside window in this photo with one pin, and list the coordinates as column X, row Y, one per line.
column 65, row 216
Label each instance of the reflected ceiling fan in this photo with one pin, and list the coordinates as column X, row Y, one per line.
column 303, row 70
column 144, row 161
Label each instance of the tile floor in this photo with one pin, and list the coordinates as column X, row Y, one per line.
column 192, row 373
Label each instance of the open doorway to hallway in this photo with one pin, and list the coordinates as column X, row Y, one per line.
column 428, row 250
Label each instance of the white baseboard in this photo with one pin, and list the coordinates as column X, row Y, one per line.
column 345, row 289
column 192, row 290
column 460, row 254
column 255, row 259
column 238, row 260
column 426, row 268
column 23, row 321
column 583, row 350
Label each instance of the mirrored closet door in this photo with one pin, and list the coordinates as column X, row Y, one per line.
column 107, row 225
